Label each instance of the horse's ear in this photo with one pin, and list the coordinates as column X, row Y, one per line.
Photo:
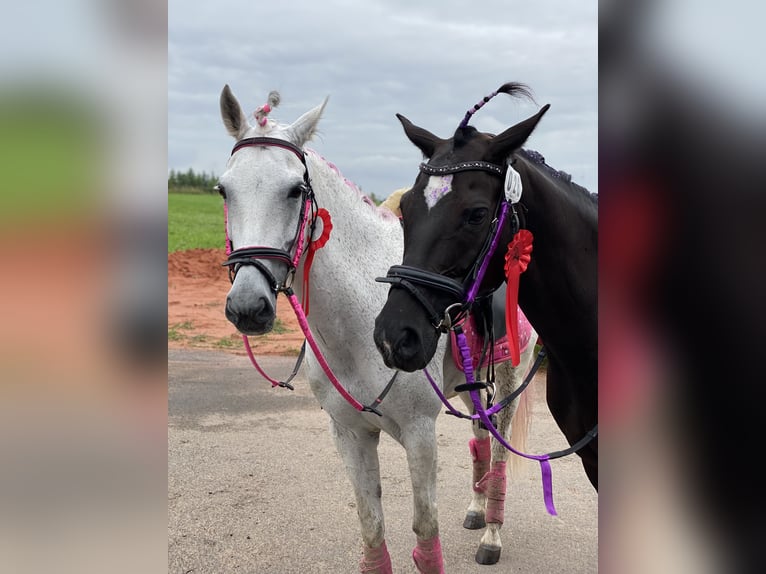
column 504, row 144
column 422, row 138
column 231, row 112
column 304, row 128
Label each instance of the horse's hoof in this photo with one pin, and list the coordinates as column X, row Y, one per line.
column 488, row 554
column 474, row 521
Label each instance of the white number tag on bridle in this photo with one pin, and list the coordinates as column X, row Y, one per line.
column 512, row 185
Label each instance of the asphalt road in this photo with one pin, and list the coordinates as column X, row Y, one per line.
column 255, row 484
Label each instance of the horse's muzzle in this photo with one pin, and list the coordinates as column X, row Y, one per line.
column 251, row 319
column 405, row 353
column 404, row 344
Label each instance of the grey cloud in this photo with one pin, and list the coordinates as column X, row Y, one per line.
column 375, row 59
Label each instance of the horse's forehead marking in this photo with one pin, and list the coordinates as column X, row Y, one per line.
column 437, row 187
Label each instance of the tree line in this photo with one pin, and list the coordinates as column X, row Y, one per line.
column 178, row 180
column 191, row 181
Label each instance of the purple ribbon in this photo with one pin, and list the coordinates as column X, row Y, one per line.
column 482, row 414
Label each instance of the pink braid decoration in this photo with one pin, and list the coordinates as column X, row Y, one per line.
column 428, row 556
column 376, row 560
column 481, row 455
column 261, row 113
column 493, row 484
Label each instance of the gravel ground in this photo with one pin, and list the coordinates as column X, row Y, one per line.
column 255, row 484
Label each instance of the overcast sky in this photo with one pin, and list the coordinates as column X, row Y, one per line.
column 429, row 61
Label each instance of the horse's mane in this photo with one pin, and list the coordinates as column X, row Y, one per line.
column 270, row 125
column 564, row 180
column 381, row 212
column 561, row 177
column 519, row 90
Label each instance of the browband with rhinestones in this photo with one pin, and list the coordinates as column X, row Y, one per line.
column 463, row 166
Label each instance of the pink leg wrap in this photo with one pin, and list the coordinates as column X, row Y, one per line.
column 493, row 485
column 481, row 455
column 428, row 556
column 376, row 560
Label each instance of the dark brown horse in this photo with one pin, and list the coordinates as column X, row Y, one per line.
column 447, row 217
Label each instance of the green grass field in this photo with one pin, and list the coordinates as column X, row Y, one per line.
column 195, row 220
column 50, row 156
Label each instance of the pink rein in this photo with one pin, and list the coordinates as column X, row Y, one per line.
column 297, row 308
column 303, row 322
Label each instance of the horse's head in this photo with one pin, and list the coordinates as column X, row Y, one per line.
column 447, row 218
column 266, row 191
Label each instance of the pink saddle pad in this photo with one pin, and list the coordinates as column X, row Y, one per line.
column 475, row 342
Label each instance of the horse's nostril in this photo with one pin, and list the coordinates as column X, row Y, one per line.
column 408, row 344
column 257, row 307
column 263, row 309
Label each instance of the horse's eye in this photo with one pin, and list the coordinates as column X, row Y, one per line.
column 220, row 189
column 297, row 191
column 476, row 216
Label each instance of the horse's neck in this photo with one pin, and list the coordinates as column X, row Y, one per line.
column 559, row 290
column 361, row 246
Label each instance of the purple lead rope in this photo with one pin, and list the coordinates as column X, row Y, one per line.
column 545, row 467
column 452, row 410
column 483, row 415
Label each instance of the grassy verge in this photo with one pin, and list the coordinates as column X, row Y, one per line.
column 195, row 221
column 184, row 332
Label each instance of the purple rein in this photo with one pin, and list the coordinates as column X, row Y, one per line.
column 545, row 465
column 481, row 413
column 474, row 290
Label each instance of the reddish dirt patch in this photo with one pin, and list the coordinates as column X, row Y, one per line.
column 197, row 288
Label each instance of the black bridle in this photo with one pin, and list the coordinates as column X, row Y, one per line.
column 254, row 254
column 415, row 280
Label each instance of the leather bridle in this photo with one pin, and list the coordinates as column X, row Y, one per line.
column 253, row 255
column 415, row 280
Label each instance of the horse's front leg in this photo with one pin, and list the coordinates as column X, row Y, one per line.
column 481, row 455
column 359, row 450
column 493, row 484
column 420, row 444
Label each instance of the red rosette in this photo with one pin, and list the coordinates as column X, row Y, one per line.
column 314, row 245
column 517, row 258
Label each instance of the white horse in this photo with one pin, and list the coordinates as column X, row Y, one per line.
column 262, row 187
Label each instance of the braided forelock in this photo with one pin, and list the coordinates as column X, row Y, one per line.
column 272, row 101
column 515, row 89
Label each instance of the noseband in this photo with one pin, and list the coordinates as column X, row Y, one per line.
column 414, row 280
column 254, row 254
